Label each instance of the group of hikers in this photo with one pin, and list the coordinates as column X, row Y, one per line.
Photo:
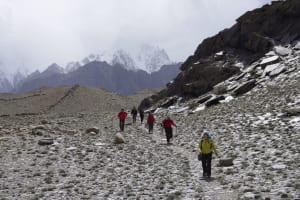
column 206, row 146
column 166, row 123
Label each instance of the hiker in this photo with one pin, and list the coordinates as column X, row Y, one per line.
column 122, row 116
column 206, row 145
column 150, row 122
column 141, row 112
column 134, row 114
column 167, row 124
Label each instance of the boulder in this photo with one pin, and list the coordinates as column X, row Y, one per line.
column 169, row 102
column 119, row 139
column 214, row 101
column 293, row 111
column 297, row 46
column 204, row 99
column 282, row 51
column 244, row 88
column 92, row 130
column 277, row 71
column 269, row 61
column 220, row 88
column 45, row 141
column 226, row 162
column 274, row 70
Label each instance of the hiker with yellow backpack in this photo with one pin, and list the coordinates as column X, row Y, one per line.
column 206, row 146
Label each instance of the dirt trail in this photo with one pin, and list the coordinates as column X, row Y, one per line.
column 212, row 190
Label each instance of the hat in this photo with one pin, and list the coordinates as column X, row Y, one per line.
column 206, row 132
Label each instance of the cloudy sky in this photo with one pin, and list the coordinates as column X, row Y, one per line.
column 36, row 33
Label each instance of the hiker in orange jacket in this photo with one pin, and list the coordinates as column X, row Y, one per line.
column 122, row 116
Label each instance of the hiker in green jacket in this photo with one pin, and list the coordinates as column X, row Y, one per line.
column 206, row 145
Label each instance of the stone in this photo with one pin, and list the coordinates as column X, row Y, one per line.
column 273, row 70
column 220, row 89
column 293, row 111
column 269, row 61
column 46, row 141
column 169, row 102
column 204, row 99
column 297, row 46
column 282, row 51
column 119, row 139
column 244, row 88
column 214, row 101
column 93, row 129
column 277, row 71
column 226, row 162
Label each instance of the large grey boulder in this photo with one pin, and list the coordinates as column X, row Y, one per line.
column 244, row 88
column 45, row 141
column 282, row 51
column 214, row 101
column 297, row 46
column 274, row 70
column 92, row 130
column 269, row 61
column 293, row 111
column 226, row 162
column 119, row 139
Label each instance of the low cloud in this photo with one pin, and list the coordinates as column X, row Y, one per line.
column 34, row 33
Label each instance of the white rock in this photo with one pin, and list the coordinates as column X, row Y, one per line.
column 282, row 51
column 270, row 68
column 269, row 60
column 100, row 144
column 270, row 53
column 119, row 139
column 71, row 148
column 279, row 166
column 227, row 99
column 220, row 53
column 278, row 70
column 297, row 46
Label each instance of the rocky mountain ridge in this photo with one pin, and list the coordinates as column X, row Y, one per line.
column 159, row 70
column 219, row 57
column 100, row 74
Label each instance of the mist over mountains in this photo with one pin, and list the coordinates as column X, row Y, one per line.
column 118, row 72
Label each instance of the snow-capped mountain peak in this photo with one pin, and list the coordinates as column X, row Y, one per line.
column 123, row 58
column 152, row 58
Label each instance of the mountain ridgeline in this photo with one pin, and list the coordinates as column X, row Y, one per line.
column 99, row 74
column 219, row 57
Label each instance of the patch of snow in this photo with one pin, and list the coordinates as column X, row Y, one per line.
column 227, row 99
column 270, row 53
column 220, row 53
column 199, row 108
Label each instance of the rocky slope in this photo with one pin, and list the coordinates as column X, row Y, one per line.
column 218, row 57
column 256, row 133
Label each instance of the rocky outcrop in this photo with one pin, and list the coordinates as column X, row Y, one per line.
column 216, row 58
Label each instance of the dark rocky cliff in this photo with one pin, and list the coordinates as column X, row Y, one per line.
column 253, row 35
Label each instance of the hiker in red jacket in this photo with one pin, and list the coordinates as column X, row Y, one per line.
column 122, row 116
column 167, row 124
column 150, row 122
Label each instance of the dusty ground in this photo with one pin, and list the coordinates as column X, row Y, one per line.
column 251, row 130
